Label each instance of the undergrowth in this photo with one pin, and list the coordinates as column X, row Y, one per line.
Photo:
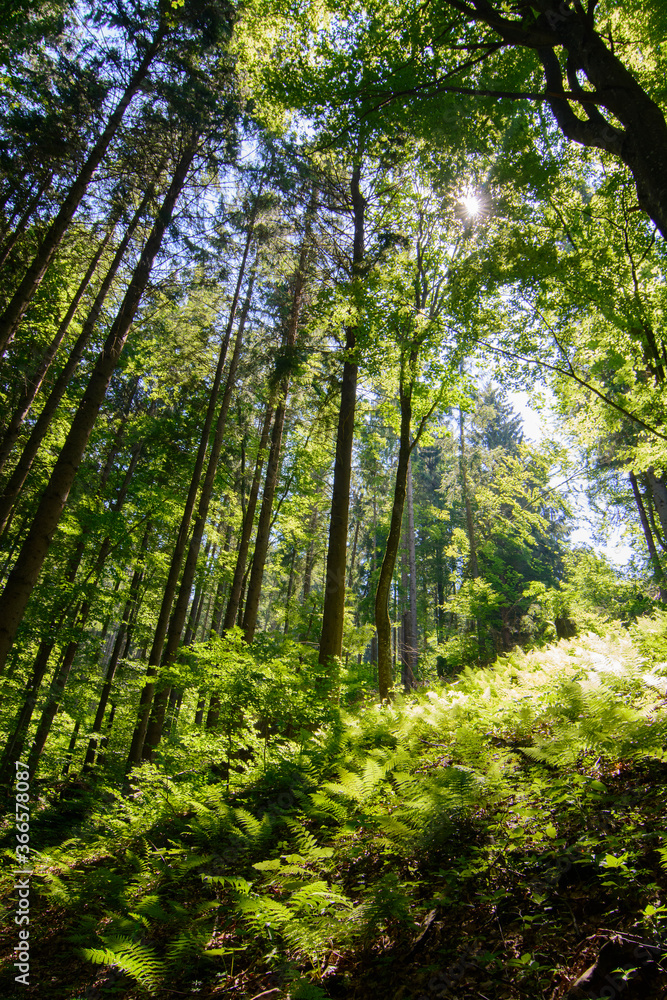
column 490, row 831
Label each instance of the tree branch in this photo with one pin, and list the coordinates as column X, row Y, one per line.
column 580, row 381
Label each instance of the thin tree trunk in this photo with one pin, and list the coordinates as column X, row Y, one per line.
column 120, row 648
column 219, row 605
column 29, row 564
column 54, row 698
column 474, row 567
column 246, row 529
column 12, row 239
column 412, row 566
column 105, row 739
column 71, row 748
column 264, row 523
column 14, row 745
column 658, row 571
column 290, row 587
column 13, row 314
column 154, row 729
column 34, row 380
column 310, row 556
column 648, row 504
column 199, row 713
column 382, row 621
column 350, row 572
column 155, row 657
column 43, row 422
column 331, row 642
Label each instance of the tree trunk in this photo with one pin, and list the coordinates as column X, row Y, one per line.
column 177, row 621
column 473, row 565
column 71, row 748
column 14, row 746
column 412, row 567
column 34, row 380
column 658, row 571
column 290, row 587
column 61, row 676
column 248, row 522
column 120, row 649
column 199, row 712
column 155, row 657
column 659, row 492
column 43, row 422
column 32, row 279
column 331, row 642
column 105, row 739
column 382, row 621
column 12, row 239
column 219, row 604
column 310, row 556
column 29, row 564
column 350, row 571
column 264, row 523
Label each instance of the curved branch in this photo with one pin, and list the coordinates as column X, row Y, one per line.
column 586, row 385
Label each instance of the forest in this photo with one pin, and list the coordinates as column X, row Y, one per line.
column 333, row 499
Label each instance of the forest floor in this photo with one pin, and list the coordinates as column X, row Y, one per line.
column 494, row 837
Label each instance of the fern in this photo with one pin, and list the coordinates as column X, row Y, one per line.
column 135, row 960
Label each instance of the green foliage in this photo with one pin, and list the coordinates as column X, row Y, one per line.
column 374, row 819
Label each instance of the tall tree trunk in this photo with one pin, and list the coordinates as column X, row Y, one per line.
column 54, row 697
column 264, row 523
column 412, row 568
column 34, row 380
column 648, row 506
column 105, row 739
column 199, row 712
column 13, row 314
column 350, row 572
column 29, row 564
column 246, row 529
column 155, row 657
column 382, row 621
column 331, row 641
column 177, row 621
column 470, row 524
column 43, row 422
column 405, row 634
column 219, row 605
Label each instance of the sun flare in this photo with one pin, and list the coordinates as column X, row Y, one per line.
column 471, row 204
